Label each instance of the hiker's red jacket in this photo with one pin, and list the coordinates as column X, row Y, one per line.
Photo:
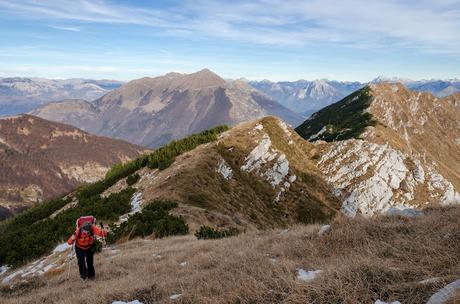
column 85, row 241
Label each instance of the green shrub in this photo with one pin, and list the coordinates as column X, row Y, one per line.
column 132, row 179
column 154, row 219
column 33, row 238
column 161, row 158
column 206, row 232
column 34, row 214
column 32, row 233
column 97, row 246
column 342, row 120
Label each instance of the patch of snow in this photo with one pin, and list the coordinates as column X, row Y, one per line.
column 406, row 212
column 4, row 269
column 113, row 251
column 443, row 295
column 314, row 136
column 12, row 276
column 394, row 88
column 183, row 264
column 132, row 302
column 284, row 231
column 62, row 247
column 429, row 281
column 48, row 267
column 224, row 170
column 136, row 202
column 175, row 296
column 292, row 178
column 323, row 229
column 383, row 302
column 304, row 275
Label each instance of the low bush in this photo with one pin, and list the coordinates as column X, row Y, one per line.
column 206, row 232
column 33, row 233
column 154, row 219
column 132, row 179
column 161, row 158
column 36, row 236
column 342, row 120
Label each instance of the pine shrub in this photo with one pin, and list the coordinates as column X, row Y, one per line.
column 206, row 232
column 154, row 219
column 132, row 179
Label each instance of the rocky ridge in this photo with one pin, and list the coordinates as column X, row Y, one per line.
column 401, row 151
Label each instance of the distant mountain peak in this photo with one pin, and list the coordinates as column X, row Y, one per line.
column 205, row 78
column 152, row 111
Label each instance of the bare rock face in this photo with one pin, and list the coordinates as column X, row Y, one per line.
column 254, row 176
column 387, row 147
column 153, row 111
column 40, row 159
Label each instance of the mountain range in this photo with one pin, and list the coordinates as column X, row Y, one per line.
column 306, row 97
column 20, row 95
column 386, row 147
column 385, row 156
column 40, row 160
column 153, row 111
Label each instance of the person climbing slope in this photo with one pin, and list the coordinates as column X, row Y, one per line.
column 84, row 245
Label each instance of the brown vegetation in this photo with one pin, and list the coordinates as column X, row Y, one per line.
column 362, row 260
column 40, row 159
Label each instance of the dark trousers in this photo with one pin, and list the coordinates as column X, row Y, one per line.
column 86, row 268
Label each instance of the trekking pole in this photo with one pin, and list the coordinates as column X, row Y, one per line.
column 103, row 238
column 69, row 262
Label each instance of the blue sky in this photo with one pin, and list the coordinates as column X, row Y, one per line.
column 266, row 39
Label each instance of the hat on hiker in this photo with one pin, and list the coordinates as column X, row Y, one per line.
column 86, row 227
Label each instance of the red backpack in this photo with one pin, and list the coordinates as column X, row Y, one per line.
column 84, row 219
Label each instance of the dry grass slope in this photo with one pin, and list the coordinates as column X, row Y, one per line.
column 362, row 260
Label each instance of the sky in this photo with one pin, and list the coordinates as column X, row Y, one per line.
column 278, row 40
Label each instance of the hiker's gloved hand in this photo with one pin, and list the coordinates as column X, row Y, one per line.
column 71, row 239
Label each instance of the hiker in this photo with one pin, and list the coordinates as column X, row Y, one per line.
column 84, row 245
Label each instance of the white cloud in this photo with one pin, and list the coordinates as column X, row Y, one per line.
column 430, row 26
column 66, row 28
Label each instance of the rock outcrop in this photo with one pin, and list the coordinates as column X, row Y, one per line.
column 389, row 147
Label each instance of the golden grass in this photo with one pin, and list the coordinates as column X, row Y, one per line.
column 362, row 260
